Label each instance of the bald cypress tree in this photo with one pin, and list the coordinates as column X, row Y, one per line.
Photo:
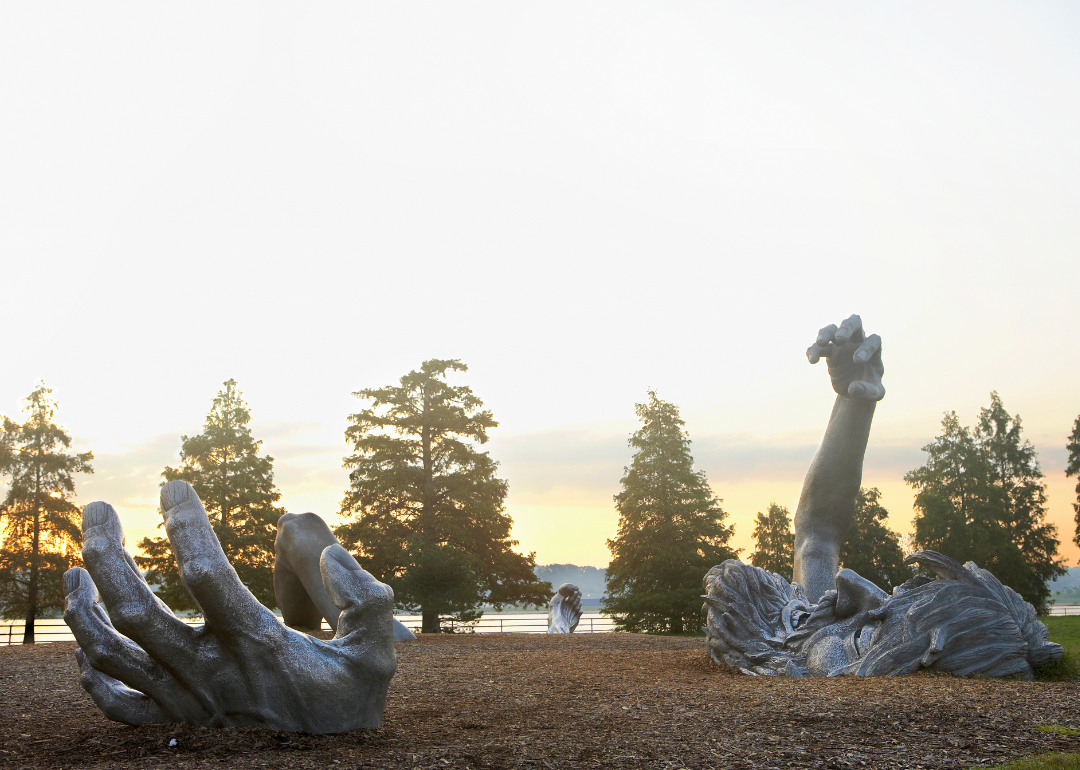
column 40, row 535
column 981, row 497
column 775, row 541
column 671, row 529
column 425, row 509
column 237, row 487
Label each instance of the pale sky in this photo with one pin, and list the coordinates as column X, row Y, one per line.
column 580, row 201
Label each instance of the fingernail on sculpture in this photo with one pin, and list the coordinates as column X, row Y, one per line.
column 243, row 668
column 298, row 585
column 565, row 609
column 831, row 621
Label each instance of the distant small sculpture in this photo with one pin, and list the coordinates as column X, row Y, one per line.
column 831, row 621
column 965, row 622
column 565, row 612
column 243, row 668
column 298, row 584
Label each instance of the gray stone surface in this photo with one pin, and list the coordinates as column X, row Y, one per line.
column 832, row 621
column 565, row 609
column 964, row 622
column 298, row 583
column 242, row 668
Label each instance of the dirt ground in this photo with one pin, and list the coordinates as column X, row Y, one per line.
column 534, row 701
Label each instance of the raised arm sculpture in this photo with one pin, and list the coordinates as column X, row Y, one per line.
column 243, row 668
column 298, row 584
column 565, row 609
column 827, row 504
column 831, row 621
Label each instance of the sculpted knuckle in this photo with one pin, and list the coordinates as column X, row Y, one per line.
column 95, row 549
column 96, row 653
column 127, row 613
column 198, row 573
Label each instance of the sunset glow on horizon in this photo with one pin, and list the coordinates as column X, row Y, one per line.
column 316, row 200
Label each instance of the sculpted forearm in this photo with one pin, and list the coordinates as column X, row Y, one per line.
column 827, row 504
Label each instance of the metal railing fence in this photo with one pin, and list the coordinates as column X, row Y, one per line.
column 56, row 630
column 1065, row 609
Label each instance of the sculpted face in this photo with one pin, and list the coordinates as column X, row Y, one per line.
column 838, row 647
column 965, row 622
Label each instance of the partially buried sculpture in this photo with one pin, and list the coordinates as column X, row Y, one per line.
column 243, row 668
column 298, row 583
column 565, row 612
column 835, row 622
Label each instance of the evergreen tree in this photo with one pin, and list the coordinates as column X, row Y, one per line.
column 1073, row 469
column 426, row 508
column 40, row 536
column 872, row 549
column 775, row 541
column 980, row 497
column 671, row 529
column 237, row 487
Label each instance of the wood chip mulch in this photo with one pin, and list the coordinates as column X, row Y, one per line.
column 532, row 701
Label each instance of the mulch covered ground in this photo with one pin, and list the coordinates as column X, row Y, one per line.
column 532, row 701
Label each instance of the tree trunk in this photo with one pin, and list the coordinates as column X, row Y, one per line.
column 31, row 604
column 676, row 625
column 430, row 622
column 427, row 526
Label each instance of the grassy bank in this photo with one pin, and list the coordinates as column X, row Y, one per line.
column 1065, row 630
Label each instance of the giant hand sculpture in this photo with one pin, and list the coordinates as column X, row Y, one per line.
column 565, row 609
column 298, row 583
column 827, row 504
column 141, row 664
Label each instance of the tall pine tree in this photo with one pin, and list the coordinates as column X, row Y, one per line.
column 237, row 487
column 1073, row 469
column 871, row 548
column 40, row 535
column 981, row 497
column 671, row 529
column 775, row 541
column 425, row 511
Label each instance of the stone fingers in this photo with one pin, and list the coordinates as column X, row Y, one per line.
column 869, row 355
column 367, row 606
column 870, row 347
column 133, row 608
column 850, row 331
column 866, row 391
column 301, row 539
column 227, row 605
column 114, row 655
column 823, row 345
column 117, row 701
